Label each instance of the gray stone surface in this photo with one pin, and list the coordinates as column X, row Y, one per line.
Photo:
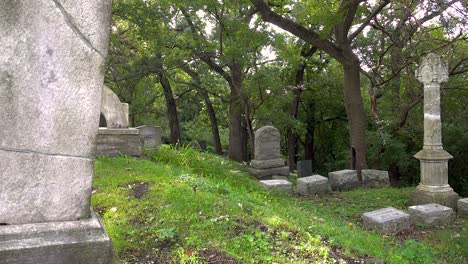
column 115, row 112
column 375, row 178
column 431, row 214
column 84, row 241
column 280, row 185
column 267, row 143
column 314, row 184
column 151, row 136
column 386, row 220
column 51, row 75
column 462, row 207
column 115, row 142
column 268, row 173
column 278, row 177
column 343, row 180
column 433, row 158
column 265, row 164
column 304, row 168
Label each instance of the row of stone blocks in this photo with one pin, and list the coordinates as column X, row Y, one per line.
column 338, row 180
column 391, row 220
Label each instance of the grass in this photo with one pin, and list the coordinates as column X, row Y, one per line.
column 182, row 206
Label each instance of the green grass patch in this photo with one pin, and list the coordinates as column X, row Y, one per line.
column 182, row 206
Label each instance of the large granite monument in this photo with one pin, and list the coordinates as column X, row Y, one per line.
column 51, row 75
column 434, row 187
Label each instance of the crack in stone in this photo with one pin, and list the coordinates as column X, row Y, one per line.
column 71, row 23
column 28, row 151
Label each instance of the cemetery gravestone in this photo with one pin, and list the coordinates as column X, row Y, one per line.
column 434, row 187
column 304, row 168
column 386, row 220
column 268, row 160
column 151, row 136
column 51, row 76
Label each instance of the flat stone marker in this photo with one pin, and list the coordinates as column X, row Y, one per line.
column 431, row 214
column 462, row 205
column 343, row 180
column 304, row 168
column 314, row 184
column 387, row 220
column 280, row 185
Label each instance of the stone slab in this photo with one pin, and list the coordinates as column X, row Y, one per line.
column 267, row 173
column 84, row 241
column 343, row 180
column 280, row 185
column 375, row 178
column 151, row 136
column 431, row 214
column 114, row 112
column 462, row 207
column 116, row 142
column 315, row 184
column 266, row 164
column 386, row 220
column 44, row 187
column 304, row 168
column 267, row 143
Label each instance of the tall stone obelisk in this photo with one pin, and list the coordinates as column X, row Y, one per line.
column 434, row 187
column 52, row 55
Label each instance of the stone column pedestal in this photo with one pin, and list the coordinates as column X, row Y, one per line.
column 434, row 187
column 82, row 241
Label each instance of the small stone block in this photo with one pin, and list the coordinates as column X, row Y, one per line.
column 462, row 206
column 431, row 214
column 343, row 180
column 375, row 178
column 266, row 164
column 314, row 184
column 281, row 185
column 387, row 220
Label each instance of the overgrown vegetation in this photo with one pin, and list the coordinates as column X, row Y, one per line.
column 182, row 206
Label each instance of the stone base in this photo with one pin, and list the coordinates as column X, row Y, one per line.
column 443, row 195
column 83, row 241
column 387, row 220
column 119, row 141
column 431, row 214
column 462, row 207
column 267, row 173
column 347, row 179
column 315, row 184
column 279, row 185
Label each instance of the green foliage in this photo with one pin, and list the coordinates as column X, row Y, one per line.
column 196, row 201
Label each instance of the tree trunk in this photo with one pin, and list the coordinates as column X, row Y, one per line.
column 310, row 131
column 171, row 109
column 236, row 148
column 397, row 53
column 356, row 117
column 213, row 122
column 292, row 136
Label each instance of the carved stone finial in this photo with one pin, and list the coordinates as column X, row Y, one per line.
column 432, row 70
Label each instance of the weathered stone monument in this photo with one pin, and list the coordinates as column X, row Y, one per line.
column 116, row 138
column 267, row 160
column 51, row 75
column 151, row 136
column 434, row 187
column 304, row 168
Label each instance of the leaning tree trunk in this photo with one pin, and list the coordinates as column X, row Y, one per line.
column 310, row 131
column 356, row 117
column 213, row 122
column 171, row 109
